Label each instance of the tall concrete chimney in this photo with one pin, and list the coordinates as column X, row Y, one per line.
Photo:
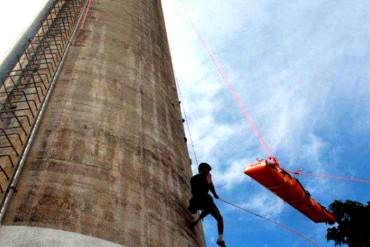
column 107, row 162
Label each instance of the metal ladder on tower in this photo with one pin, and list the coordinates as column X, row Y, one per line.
column 25, row 89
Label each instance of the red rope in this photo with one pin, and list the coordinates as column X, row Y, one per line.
column 243, row 109
column 278, row 224
column 86, row 13
column 324, row 176
column 248, row 118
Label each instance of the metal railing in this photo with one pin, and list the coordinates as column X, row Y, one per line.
column 26, row 88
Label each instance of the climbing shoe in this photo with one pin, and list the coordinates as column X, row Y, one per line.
column 221, row 243
column 192, row 224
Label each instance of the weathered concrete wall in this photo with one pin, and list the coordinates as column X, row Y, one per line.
column 110, row 159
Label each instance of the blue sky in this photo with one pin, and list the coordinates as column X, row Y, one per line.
column 303, row 71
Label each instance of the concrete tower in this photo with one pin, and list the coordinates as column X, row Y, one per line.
column 109, row 164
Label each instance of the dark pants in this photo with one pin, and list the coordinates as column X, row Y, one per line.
column 207, row 206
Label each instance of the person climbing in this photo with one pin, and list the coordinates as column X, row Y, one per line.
column 201, row 184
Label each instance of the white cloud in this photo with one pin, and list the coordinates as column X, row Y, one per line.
column 291, row 63
column 15, row 17
column 205, row 98
column 265, row 203
column 232, row 175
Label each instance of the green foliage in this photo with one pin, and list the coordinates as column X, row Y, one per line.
column 353, row 224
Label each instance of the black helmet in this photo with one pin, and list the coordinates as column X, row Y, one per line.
column 204, row 166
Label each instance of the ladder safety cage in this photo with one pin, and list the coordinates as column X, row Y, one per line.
column 24, row 88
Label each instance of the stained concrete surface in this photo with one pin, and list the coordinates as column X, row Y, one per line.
column 110, row 160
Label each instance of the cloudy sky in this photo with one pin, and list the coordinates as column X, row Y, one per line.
column 15, row 18
column 302, row 69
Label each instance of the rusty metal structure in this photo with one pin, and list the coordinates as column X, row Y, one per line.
column 92, row 146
